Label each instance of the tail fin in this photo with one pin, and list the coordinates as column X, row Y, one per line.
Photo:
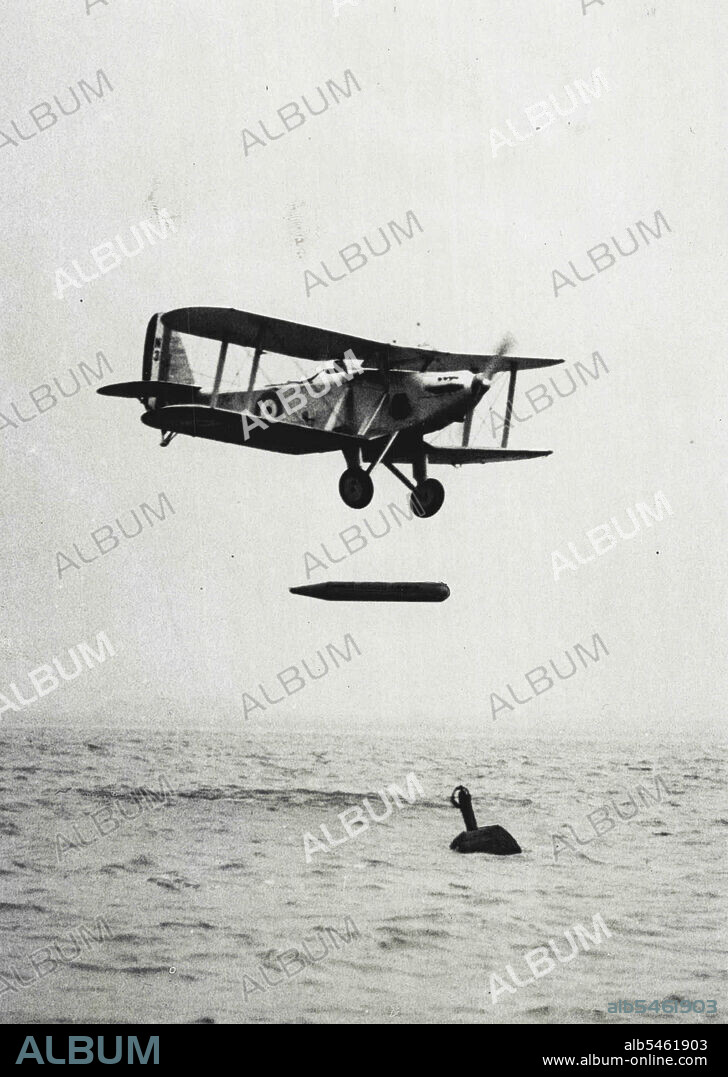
column 165, row 360
column 178, row 369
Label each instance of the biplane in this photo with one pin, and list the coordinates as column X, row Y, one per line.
column 375, row 403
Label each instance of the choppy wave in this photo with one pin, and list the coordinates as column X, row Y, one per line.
column 389, row 925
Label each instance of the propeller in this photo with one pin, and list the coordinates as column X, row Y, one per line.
column 480, row 386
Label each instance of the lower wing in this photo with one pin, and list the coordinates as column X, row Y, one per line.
column 456, row 456
column 238, row 428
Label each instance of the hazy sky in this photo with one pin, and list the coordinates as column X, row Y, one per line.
column 198, row 607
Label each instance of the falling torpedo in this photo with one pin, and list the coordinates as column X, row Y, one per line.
column 375, row 592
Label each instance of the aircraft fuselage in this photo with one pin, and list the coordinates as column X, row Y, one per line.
column 411, row 401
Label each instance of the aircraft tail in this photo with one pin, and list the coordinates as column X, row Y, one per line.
column 165, row 360
column 178, row 368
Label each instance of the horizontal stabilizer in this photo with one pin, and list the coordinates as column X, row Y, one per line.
column 458, row 455
column 170, row 391
column 217, row 424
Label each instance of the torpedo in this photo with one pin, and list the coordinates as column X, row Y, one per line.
column 479, row 839
column 349, row 591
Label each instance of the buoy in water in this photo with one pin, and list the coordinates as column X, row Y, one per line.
column 479, row 839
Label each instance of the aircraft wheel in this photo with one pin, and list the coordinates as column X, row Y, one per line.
column 356, row 488
column 427, row 498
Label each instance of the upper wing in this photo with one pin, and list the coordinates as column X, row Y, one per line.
column 268, row 334
column 218, row 424
column 457, row 455
column 308, row 342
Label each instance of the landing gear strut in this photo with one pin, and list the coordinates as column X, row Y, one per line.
column 357, row 489
column 428, row 495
